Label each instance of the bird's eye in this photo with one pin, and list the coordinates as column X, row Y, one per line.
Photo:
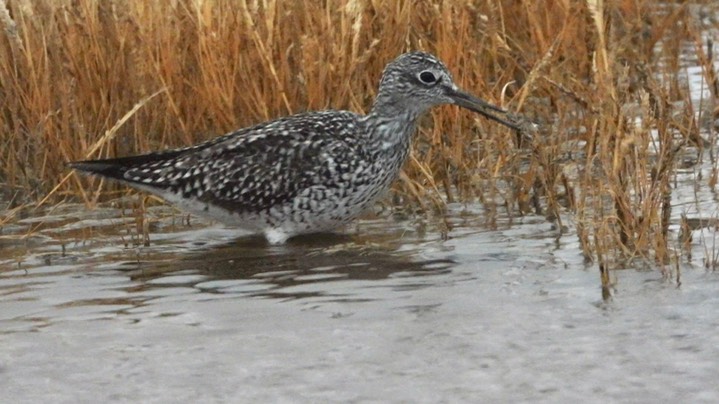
column 427, row 77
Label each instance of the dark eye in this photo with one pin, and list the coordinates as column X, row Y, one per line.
column 427, row 77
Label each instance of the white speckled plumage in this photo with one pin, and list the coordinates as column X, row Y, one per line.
column 304, row 173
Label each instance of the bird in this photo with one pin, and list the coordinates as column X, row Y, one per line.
column 310, row 172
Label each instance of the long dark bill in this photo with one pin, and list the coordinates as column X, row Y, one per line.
column 479, row 106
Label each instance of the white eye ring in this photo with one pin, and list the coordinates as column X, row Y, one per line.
column 427, row 77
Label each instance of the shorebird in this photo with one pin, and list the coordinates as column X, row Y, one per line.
column 305, row 173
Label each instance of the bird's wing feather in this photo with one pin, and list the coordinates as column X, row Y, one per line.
column 262, row 166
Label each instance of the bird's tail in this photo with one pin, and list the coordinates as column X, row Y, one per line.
column 117, row 167
column 132, row 170
column 110, row 168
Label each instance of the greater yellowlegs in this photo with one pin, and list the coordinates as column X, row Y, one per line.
column 305, row 173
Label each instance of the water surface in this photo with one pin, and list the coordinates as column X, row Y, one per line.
column 390, row 311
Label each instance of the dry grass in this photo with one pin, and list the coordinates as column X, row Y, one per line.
column 590, row 73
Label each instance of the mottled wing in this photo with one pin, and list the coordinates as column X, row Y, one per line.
column 262, row 166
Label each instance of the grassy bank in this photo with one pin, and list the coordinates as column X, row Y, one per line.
column 91, row 79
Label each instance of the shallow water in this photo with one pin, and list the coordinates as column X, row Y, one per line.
column 500, row 312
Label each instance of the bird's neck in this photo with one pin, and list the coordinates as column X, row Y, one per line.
column 390, row 126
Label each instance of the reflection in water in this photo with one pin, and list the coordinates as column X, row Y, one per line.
column 280, row 269
column 101, row 280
